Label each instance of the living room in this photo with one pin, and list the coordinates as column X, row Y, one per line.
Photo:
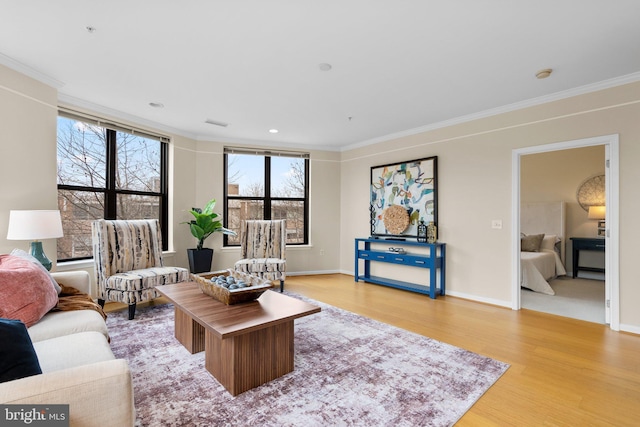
column 475, row 161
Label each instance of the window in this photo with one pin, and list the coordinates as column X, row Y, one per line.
column 106, row 171
column 267, row 185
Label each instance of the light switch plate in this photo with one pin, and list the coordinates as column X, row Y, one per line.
column 496, row 223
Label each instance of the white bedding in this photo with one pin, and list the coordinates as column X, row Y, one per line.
column 536, row 268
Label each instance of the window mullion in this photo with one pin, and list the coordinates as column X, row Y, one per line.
column 306, row 200
column 110, row 203
column 267, row 187
column 164, row 189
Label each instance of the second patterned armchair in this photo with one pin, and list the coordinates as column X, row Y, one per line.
column 263, row 245
column 128, row 262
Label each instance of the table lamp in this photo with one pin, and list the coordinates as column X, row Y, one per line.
column 599, row 213
column 35, row 226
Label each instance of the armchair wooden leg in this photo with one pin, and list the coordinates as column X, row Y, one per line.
column 132, row 310
column 281, row 286
column 101, row 302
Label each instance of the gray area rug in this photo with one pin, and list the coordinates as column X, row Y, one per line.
column 349, row 371
column 581, row 299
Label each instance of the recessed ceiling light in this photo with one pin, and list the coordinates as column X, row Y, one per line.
column 324, row 67
column 543, row 74
column 156, row 104
column 273, row 130
column 216, row 123
column 90, row 29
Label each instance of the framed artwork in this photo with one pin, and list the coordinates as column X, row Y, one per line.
column 402, row 194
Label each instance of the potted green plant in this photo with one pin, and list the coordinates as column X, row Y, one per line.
column 205, row 223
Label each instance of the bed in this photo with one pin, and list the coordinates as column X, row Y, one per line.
column 542, row 227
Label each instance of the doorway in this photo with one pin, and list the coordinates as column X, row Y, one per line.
column 610, row 145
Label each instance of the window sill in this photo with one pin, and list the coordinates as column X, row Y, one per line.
column 74, row 265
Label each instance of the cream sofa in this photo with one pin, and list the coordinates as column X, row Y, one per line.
column 78, row 367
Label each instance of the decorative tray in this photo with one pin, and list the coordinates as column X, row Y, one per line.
column 253, row 286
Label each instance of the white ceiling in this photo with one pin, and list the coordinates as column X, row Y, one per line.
column 397, row 66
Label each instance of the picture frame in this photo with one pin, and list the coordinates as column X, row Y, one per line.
column 396, row 188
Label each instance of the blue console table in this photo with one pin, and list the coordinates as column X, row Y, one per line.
column 433, row 261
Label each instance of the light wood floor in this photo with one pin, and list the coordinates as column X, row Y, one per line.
column 564, row 372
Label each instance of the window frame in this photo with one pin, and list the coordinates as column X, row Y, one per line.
column 110, row 190
column 266, row 199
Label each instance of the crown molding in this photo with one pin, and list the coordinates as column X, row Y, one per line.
column 30, row 72
column 264, row 143
column 100, row 109
column 581, row 90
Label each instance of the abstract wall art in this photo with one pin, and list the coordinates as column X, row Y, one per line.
column 402, row 194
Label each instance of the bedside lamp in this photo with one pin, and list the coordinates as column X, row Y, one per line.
column 599, row 213
column 35, row 226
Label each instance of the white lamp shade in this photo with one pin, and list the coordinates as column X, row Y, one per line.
column 597, row 212
column 34, row 225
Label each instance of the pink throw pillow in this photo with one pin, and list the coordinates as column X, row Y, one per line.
column 26, row 292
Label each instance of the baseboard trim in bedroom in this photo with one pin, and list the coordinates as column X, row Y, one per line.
column 587, row 275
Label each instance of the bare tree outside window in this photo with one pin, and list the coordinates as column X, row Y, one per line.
column 287, row 203
column 87, row 190
column 249, row 197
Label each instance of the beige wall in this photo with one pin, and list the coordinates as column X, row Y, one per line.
column 556, row 176
column 28, row 113
column 474, row 162
column 321, row 255
column 28, row 143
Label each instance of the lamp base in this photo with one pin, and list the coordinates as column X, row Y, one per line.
column 38, row 253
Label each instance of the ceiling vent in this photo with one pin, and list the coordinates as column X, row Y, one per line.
column 216, row 123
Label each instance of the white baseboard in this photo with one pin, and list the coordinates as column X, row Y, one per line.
column 630, row 328
column 475, row 298
column 500, row 303
column 586, row 275
column 310, row 273
column 470, row 297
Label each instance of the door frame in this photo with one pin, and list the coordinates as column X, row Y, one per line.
column 612, row 273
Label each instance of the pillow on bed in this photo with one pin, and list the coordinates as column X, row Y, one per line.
column 531, row 243
column 549, row 242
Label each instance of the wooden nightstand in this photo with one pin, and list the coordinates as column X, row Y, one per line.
column 586, row 244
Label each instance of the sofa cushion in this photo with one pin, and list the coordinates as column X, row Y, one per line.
column 26, row 292
column 59, row 323
column 267, row 268
column 22, row 254
column 18, row 358
column 147, row 278
column 72, row 350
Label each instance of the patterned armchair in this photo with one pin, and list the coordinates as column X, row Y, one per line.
column 128, row 261
column 263, row 246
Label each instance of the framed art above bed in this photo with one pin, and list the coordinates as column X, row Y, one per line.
column 402, row 194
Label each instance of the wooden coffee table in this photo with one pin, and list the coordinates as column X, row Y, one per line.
column 246, row 344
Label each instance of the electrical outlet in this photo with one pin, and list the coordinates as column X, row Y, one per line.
column 321, row 252
column 497, row 224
